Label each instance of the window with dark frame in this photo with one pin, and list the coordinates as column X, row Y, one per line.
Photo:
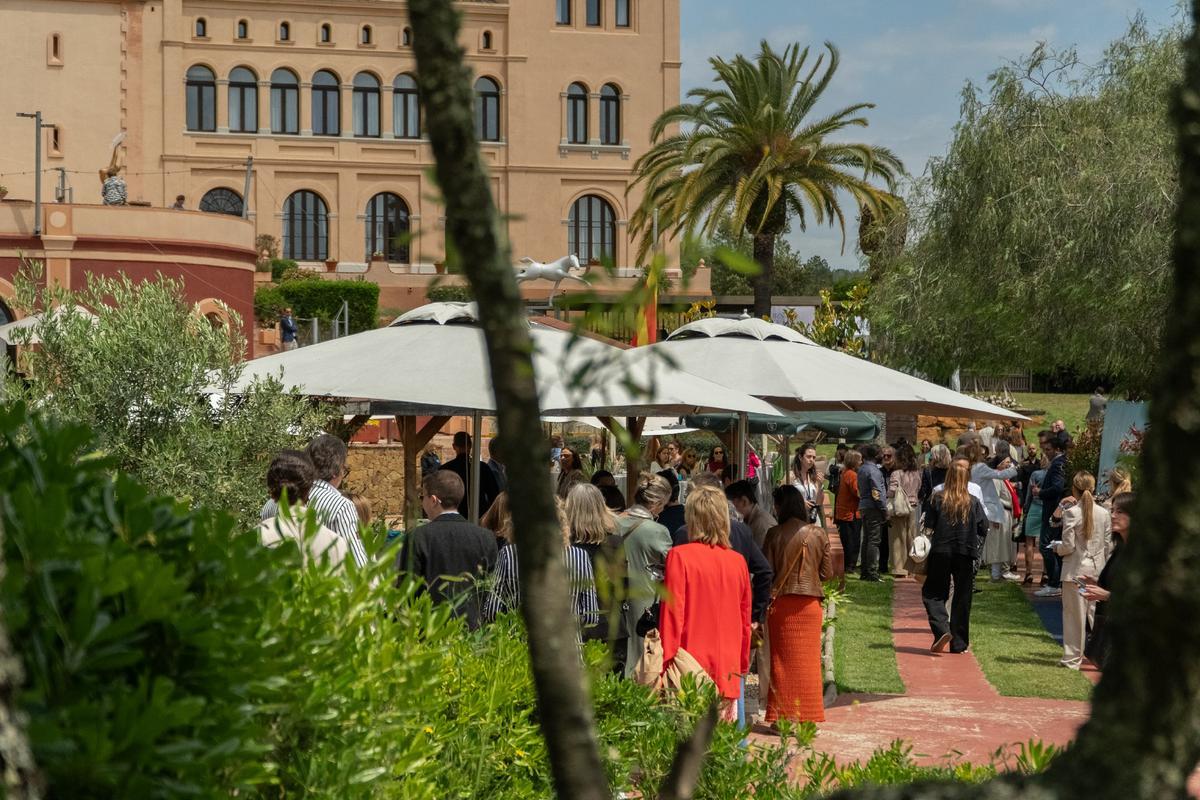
column 56, row 47
column 365, row 36
column 326, row 105
column 406, row 107
column 285, row 32
column 285, row 102
column 594, row 17
column 305, row 227
column 243, row 29
column 366, row 105
column 406, row 37
column 487, row 40
column 610, row 114
column 487, row 110
column 201, row 91
column 562, row 12
column 326, row 33
column 243, row 101
column 387, row 228
column 201, row 28
column 592, row 229
column 54, row 145
column 621, row 17
column 577, row 113
column 221, row 201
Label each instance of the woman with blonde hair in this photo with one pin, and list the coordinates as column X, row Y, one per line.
column 799, row 554
column 646, row 544
column 1119, row 482
column 498, row 520
column 594, row 530
column 959, row 524
column 1086, row 542
column 706, row 610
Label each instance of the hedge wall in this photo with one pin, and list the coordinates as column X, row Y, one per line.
column 323, row 300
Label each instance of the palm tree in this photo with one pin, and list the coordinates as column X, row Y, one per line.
column 749, row 152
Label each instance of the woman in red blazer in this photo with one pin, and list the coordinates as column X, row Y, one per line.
column 707, row 607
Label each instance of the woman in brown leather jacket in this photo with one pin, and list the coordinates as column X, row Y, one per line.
column 799, row 555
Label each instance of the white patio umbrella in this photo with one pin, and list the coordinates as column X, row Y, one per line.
column 779, row 365
column 11, row 333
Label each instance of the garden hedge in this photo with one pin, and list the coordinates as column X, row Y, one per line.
column 323, row 300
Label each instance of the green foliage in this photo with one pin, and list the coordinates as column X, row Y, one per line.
column 864, row 659
column 730, row 256
column 837, row 325
column 450, row 294
column 152, row 378
column 269, row 304
column 1043, row 236
column 323, row 300
column 281, row 267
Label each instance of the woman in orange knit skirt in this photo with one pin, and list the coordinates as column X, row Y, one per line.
column 799, row 554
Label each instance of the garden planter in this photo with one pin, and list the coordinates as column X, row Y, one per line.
column 440, row 267
column 331, row 265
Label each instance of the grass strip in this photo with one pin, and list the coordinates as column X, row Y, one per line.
column 1070, row 408
column 1018, row 656
column 864, row 656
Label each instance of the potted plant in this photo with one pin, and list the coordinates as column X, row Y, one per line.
column 440, row 267
column 377, row 257
column 331, row 265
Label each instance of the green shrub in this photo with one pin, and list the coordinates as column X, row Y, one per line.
column 269, row 304
column 281, row 267
column 323, row 300
column 450, row 294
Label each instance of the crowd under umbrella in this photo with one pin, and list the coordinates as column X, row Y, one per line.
column 794, row 373
column 433, row 362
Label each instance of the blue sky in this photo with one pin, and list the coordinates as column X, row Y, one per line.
column 909, row 57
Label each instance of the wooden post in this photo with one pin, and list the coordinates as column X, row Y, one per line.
column 413, row 441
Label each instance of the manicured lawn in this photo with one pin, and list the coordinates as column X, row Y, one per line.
column 864, row 657
column 1070, row 408
column 1016, row 653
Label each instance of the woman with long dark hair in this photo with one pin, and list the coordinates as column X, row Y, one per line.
column 570, row 467
column 799, row 554
column 808, row 481
column 718, row 462
column 959, row 524
column 1099, row 591
column 904, row 486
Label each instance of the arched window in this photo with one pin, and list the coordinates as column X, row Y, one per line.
column 201, row 28
column 305, row 227
column 201, row 99
column 592, row 229
column 487, row 40
column 326, row 105
column 406, row 108
column 326, row 33
column 610, row 114
column 6, row 314
column 406, row 37
column 387, row 228
column 285, row 102
column 366, row 104
column 365, row 35
column 243, row 29
column 577, row 113
column 285, row 32
column 243, row 101
column 222, row 201
column 487, row 110
column 622, row 14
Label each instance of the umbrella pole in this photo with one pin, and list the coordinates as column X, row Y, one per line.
column 476, row 450
column 743, row 442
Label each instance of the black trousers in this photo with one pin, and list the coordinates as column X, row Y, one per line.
column 849, row 534
column 944, row 568
column 873, row 523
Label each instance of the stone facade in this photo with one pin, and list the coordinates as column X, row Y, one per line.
column 377, row 473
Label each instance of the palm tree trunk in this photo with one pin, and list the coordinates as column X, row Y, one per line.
column 764, row 254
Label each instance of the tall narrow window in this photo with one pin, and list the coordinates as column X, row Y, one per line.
column 592, row 229
column 243, row 101
column 201, row 99
column 326, row 105
column 243, row 29
column 285, row 32
column 487, row 110
column 406, row 108
column 406, row 37
column 610, row 114
column 487, row 40
column 387, row 228
column 54, row 49
column 201, row 28
column 305, row 227
column 622, row 13
column 222, row 201
column 54, row 141
column 326, row 33
column 366, row 104
column 365, row 36
column 562, row 12
column 593, row 13
column 285, row 102
column 577, row 113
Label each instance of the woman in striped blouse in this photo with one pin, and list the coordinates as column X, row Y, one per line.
column 506, row 588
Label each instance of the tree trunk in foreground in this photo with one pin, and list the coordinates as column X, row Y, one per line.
column 1144, row 736
column 472, row 222
column 764, row 254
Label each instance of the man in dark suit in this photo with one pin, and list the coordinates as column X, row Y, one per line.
column 1054, row 489
column 448, row 553
column 460, row 465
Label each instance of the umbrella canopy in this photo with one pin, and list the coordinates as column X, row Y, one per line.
column 853, row 426
column 433, row 360
column 10, row 333
column 789, row 370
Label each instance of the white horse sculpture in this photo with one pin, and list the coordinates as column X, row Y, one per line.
column 555, row 271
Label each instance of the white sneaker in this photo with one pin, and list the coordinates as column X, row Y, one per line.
column 1046, row 591
column 1011, row 576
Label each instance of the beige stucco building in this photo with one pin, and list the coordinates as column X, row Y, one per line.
column 322, row 95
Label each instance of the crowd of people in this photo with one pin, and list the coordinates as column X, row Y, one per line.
column 694, row 574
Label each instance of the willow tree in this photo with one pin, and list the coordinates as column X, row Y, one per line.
column 754, row 150
column 1143, row 738
column 1042, row 239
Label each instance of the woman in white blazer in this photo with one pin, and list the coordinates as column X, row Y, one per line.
column 1086, row 542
